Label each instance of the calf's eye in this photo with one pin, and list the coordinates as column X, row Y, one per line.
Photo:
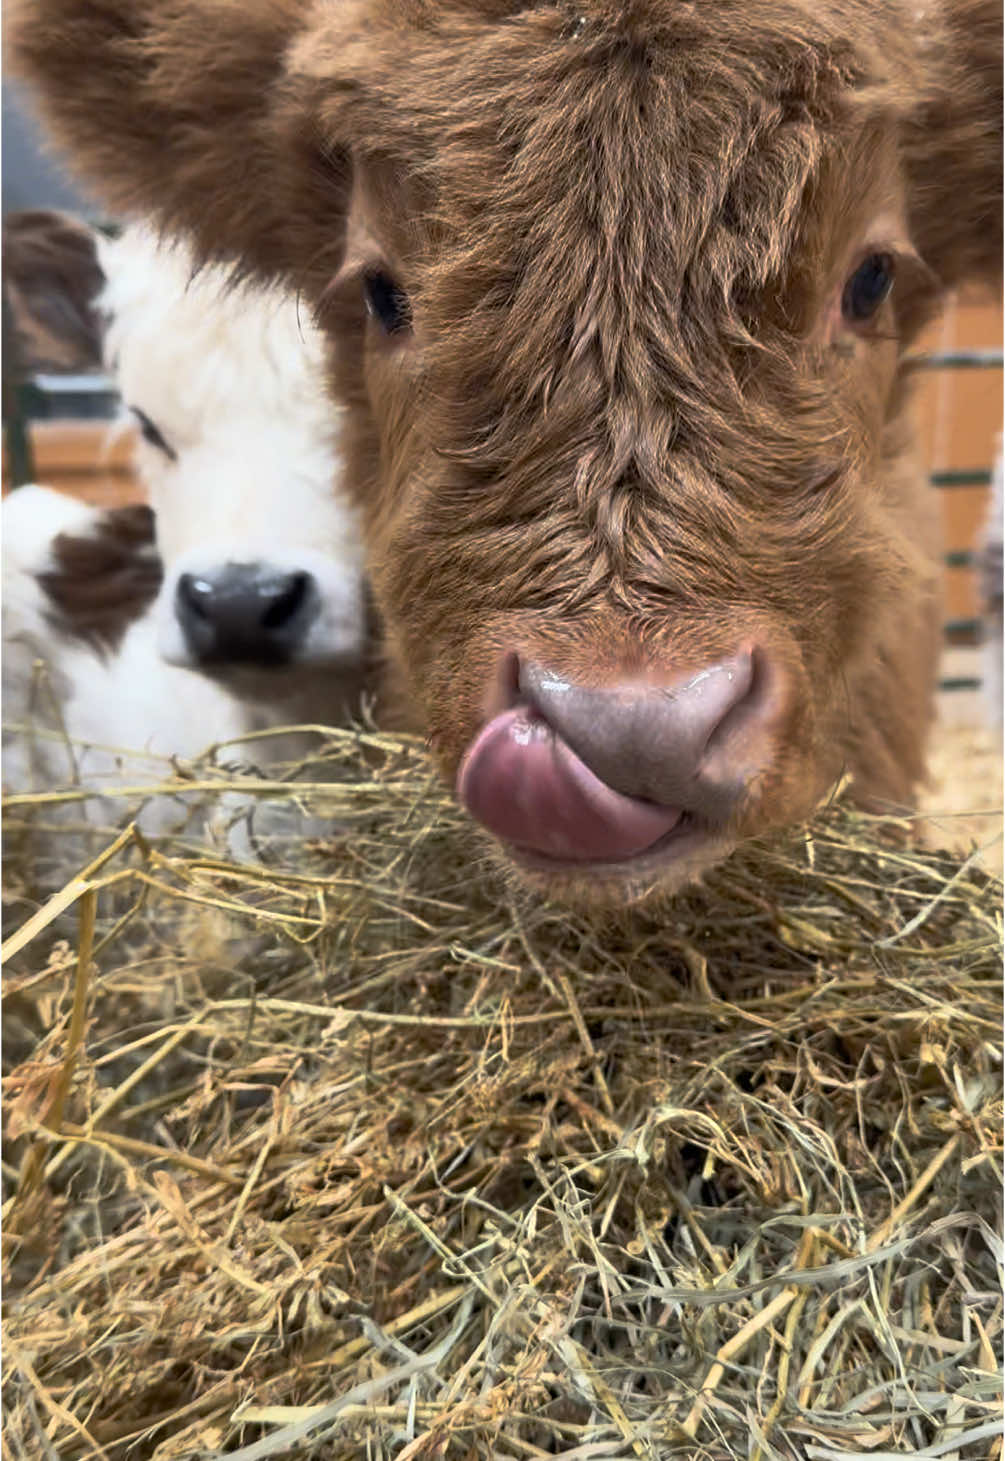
column 387, row 302
column 867, row 288
column 150, row 433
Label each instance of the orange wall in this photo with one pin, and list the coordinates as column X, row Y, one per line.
column 87, row 459
column 960, row 419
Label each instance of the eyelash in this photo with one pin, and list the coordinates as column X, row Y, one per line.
column 857, row 310
column 387, row 303
column 150, row 434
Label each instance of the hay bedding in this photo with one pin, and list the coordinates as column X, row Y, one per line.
column 344, row 1153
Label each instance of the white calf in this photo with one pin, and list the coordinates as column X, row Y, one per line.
column 240, row 603
column 239, row 455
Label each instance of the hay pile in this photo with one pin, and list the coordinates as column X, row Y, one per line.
column 342, row 1152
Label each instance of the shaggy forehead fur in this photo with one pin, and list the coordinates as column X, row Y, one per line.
column 616, row 225
column 683, row 133
column 655, row 155
column 614, row 214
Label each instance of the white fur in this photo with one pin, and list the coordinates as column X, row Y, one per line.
column 72, row 715
column 231, row 376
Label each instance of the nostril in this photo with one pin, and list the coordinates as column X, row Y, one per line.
column 286, row 601
column 194, row 595
column 733, row 683
column 749, row 707
column 690, row 741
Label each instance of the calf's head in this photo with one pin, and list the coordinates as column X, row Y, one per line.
column 239, row 452
column 622, row 294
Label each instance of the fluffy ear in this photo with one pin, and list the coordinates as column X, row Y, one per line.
column 953, row 142
column 177, row 110
column 51, row 278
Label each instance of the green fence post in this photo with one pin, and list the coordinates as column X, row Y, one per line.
column 20, row 462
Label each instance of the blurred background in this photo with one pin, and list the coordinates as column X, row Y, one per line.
column 30, row 179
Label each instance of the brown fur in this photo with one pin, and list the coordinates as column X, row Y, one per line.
column 629, row 433
column 51, row 277
column 103, row 580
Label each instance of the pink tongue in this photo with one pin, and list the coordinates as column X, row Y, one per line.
column 523, row 783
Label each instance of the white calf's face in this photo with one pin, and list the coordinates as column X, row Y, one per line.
column 240, row 455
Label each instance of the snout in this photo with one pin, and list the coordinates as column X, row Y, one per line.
column 569, row 773
column 246, row 613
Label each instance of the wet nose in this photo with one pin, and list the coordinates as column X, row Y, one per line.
column 245, row 613
column 689, row 743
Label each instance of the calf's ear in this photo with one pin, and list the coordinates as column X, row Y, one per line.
column 179, row 111
column 953, row 142
column 52, row 276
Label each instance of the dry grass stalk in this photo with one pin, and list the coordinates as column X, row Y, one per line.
column 345, row 1153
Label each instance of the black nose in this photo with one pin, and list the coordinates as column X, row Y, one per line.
column 689, row 743
column 245, row 613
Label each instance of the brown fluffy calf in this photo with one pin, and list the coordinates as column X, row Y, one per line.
column 623, row 293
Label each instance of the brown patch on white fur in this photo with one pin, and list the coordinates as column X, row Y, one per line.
column 103, row 580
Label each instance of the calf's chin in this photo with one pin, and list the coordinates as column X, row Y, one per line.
column 816, row 706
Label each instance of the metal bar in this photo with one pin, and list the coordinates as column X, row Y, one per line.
column 20, row 462
column 89, row 383
column 960, row 683
column 20, row 458
column 961, row 479
column 70, row 397
column 957, row 360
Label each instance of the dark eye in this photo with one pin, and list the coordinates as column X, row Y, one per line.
column 387, row 303
column 150, row 433
column 867, row 288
